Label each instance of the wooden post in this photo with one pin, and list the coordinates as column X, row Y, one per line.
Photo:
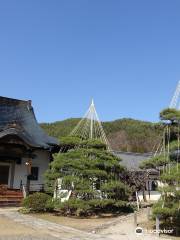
column 144, row 194
column 177, row 231
column 149, row 190
column 135, row 219
column 27, row 186
column 148, row 213
column 157, row 224
column 137, row 200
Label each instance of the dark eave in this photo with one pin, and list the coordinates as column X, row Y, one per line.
column 17, row 118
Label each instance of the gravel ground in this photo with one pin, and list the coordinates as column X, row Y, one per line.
column 19, row 226
column 15, row 226
column 28, row 237
column 124, row 229
column 9, row 230
column 84, row 224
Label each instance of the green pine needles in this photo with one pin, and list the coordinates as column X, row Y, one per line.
column 168, row 207
column 93, row 176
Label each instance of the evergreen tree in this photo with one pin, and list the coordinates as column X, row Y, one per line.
column 168, row 207
column 90, row 172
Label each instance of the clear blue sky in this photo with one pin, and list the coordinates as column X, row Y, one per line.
column 61, row 53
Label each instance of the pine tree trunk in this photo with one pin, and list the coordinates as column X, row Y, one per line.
column 144, row 195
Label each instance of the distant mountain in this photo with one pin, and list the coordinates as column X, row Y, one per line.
column 124, row 134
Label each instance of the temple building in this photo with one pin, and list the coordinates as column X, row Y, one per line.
column 25, row 149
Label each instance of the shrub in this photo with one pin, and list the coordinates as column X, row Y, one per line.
column 38, row 202
column 116, row 190
column 79, row 207
column 109, row 205
column 101, row 203
column 73, row 206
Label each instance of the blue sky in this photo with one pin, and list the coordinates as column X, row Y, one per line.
column 61, row 53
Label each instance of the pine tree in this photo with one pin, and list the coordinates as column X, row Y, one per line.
column 90, row 172
column 168, row 207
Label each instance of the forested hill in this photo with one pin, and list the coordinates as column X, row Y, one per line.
column 123, row 134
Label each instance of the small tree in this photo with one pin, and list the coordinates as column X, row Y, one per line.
column 168, row 207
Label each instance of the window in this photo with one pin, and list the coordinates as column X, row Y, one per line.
column 34, row 174
column 154, row 186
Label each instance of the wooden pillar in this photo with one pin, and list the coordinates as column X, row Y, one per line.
column 137, row 200
column 149, row 189
column 135, row 219
column 29, row 165
column 144, row 194
column 12, row 174
column 148, row 213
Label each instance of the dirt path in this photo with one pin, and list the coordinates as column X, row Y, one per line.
column 11, row 230
column 124, row 229
column 84, row 224
column 15, row 226
column 8, row 227
column 19, row 226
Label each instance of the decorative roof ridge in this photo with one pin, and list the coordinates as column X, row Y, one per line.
column 13, row 101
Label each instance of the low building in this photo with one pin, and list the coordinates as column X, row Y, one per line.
column 132, row 161
column 25, row 149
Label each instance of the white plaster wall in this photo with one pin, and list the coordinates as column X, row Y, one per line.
column 41, row 161
column 154, row 196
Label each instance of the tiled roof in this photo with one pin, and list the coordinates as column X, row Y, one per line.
column 131, row 160
column 17, row 118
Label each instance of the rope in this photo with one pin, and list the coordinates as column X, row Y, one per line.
column 90, row 127
column 168, row 148
column 178, row 147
